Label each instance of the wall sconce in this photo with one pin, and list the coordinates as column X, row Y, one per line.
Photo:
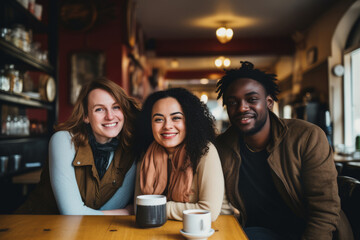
column 224, row 34
column 204, row 81
column 174, row 63
column 222, row 62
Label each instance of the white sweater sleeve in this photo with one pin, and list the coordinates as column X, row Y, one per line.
column 64, row 184
column 210, row 185
column 62, row 176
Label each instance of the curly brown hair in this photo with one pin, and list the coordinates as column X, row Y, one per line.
column 200, row 127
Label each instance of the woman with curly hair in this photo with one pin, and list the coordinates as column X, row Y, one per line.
column 91, row 162
column 175, row 132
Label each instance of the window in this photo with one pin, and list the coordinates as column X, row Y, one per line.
column 352, row 97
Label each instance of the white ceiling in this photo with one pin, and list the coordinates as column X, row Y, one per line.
column 198, row 19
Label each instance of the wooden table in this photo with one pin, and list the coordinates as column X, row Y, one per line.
column 62, row 227
column 345, row 159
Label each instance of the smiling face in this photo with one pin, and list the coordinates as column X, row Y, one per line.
column 168, row 123
column 248, row 106
column 104, row 115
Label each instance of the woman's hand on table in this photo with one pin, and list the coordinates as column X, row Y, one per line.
column 128, row 210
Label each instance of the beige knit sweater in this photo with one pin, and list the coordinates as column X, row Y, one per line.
column 207, row 188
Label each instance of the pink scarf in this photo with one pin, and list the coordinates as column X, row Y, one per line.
column 154, row 173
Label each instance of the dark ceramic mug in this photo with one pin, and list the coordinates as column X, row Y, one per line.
column 150, row 210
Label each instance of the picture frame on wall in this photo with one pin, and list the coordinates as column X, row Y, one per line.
column 136, row 81
column 85, row 66
column 131, row 23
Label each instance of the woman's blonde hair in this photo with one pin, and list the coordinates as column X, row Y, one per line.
column 76, row 125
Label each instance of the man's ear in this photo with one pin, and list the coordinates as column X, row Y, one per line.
column 269, row 102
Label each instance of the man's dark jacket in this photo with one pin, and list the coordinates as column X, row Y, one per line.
column 303, row 171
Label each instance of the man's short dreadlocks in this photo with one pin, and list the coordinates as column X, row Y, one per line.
column 247, row 70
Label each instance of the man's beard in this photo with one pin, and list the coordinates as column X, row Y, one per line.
column 257, row 127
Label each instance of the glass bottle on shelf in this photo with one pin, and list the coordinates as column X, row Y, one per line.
column 16, row 82
column 8, row 125
column 6, row 34
column 16, row 125
column 4, row 81
column 9, row 72
column 25, row 37
column 26, row 125
column 17, row 35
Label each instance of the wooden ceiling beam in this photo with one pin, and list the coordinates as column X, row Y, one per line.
column 209, row 47
column 194, row 74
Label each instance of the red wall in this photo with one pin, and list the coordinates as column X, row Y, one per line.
column 108, row 38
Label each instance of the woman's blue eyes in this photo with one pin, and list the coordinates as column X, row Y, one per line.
column 102, row 109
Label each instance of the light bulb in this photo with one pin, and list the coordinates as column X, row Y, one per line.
column 227, row 62
column 218, row 62
column 229, row 33
column 224, row 35
column 220, row 32
column 204, row 98
column 174, row 63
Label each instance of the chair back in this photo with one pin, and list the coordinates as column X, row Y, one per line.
column 349, row 192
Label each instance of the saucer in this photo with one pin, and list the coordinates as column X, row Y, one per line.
column 198, row 236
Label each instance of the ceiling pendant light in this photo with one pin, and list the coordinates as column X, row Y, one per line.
column 224, row 34
column 222, row 62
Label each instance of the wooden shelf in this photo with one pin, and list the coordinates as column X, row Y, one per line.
column 17, row 14
column 22, row 139
column 33, row 148
column 18, row 57
column 20, row 100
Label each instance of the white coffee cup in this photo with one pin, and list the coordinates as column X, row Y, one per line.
column 196, row 221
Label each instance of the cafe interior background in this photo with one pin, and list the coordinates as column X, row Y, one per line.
column 48, row 49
